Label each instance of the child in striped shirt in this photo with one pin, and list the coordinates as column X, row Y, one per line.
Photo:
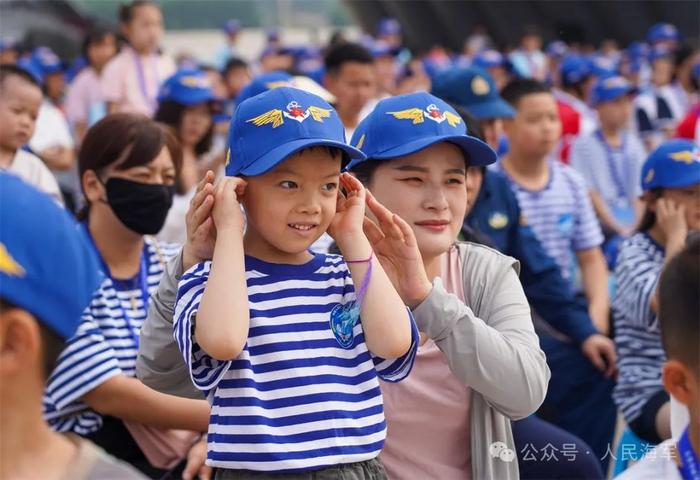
column 288, row 344
column 671, row 185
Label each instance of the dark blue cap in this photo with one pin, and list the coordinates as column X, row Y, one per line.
column 574, row 69
column 674, row 164
column 662, row 31
column 268, row 128
column 473, row 89
column 263, row 83
column 406, row 124
column 232, row 26
column 611, row 88
column 47, row 266
column 388, row 26
column 188, row 86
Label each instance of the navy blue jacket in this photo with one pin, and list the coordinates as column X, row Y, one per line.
column 496, row 214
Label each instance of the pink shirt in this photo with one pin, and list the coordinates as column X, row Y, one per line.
column 84, row 92
column 132, row 81
column 427, row 414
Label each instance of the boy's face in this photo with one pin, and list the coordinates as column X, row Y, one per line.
column 291, row 206
column 236, row 79
column 661, row 71
column 536, row 128
column 353, row 86
column 689, row 197
column 428, row 190
column 19, row 107
column 615, row 113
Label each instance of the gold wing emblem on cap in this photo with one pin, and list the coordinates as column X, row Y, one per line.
column 9, row 265
column 415, row 114
column 281, row 83
column 318, row 113
column 685, row 156
column 273, row 116
column 453, row 119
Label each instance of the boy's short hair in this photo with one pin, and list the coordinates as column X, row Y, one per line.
column 679, row 306
column 521, row 87
column 343, row 53
column 233, row 64
column 7, row 71
column 51, row 343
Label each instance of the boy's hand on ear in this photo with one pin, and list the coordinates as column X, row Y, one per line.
column 227, row 213
column 396, row 248
column 201, row 233
column 671, row 218
column 350, row 211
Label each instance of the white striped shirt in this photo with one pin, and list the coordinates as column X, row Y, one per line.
column 561, row 215
column 294, row 400
column 640, row 354
column 104, row 346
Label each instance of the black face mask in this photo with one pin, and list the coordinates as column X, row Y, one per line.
column 141, row 207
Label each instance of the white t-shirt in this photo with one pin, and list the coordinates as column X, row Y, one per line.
column 656, row 465
column 32, row 170
column 51, row 130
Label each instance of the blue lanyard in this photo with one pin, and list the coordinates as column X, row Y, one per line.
column 612, row 168
column 142, row 78
column 690, row 465
column 143, row 284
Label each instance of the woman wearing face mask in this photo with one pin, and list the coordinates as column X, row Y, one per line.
column 128, row 165
column 130, row 81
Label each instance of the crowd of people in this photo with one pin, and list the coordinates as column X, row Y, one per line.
column 349, row 261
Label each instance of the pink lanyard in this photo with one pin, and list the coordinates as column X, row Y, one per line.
column 151, row 102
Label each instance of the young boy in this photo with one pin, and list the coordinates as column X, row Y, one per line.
column 555, row 202
column 679, row 321
column 270, row 330
column 20, row 100
column 48, row 274
column 610, row 159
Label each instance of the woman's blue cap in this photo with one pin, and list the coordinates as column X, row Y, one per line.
column 268, row 128
column 188, row 86
column 611, row 88
column 674, row 164
column 474, row 89
column 406, row 124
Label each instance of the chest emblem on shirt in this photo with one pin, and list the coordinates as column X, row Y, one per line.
column 293, row 111
column 8, row 265
column 498, row 220
column 342, row 323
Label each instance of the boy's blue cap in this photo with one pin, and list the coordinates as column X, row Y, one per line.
column 659, row 51
column 28, row 65
column 388, row 26
column 232, row 26
column 473, row 89
column 662, row 31
column 674, row 164
column 557, row 49
column 406, row 124
column 574, row 69
column 47, row 61
column 490, row 59
column 269, row 127
column 637, row 50
column 263, row 83
column 611, row 88
column 47, row 266
column 188, row 86
column 602, row 66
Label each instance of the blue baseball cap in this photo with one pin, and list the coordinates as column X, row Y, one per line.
column 47, row 266
column 188, row 86
column 473, row 89
column 388, row 26
column 29, row 66
column 637, row 50
column 47, row 61
column 662, row 31
column 490, row 59
column 659, row 51
column 263, row 83
column 232, row 25
column 602, row 66
column 574, row 69
column 268, row 128
column 406, row 124
column 557, row 49
column 674, row 164
column 611, row 88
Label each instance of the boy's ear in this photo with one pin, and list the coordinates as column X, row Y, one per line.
column 676, row 379
column 20, row 341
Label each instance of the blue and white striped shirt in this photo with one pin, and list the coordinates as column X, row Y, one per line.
column 294, row 400
column 104, row 346
column 561, row 215
column 640, row 354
